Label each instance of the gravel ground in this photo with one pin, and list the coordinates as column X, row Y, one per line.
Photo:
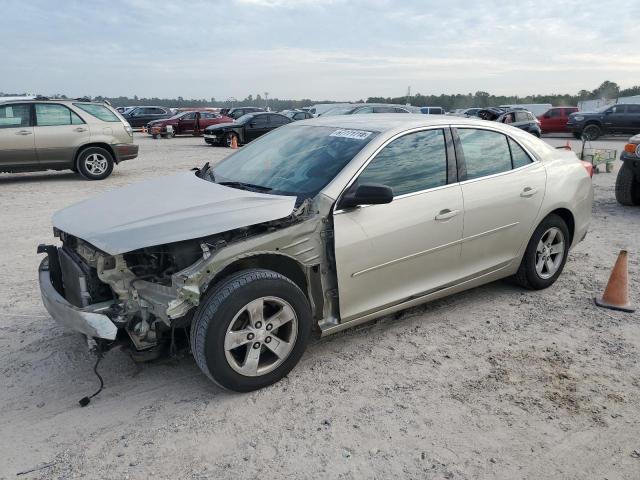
column 494, row 383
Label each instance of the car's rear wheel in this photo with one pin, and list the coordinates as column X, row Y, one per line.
column 627, row 187
column 251, row 330
column 592, row 132
column 546, row 254
column 95, row 163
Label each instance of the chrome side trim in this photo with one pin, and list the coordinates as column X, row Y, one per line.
column 434, row 249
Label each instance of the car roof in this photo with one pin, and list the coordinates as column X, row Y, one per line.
column 382, row 122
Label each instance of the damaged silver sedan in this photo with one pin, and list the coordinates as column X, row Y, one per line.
column 319, row 225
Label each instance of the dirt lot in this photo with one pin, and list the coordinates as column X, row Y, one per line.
column 493, row 383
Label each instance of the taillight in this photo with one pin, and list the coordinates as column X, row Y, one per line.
column 632, row 148
column 588, row 167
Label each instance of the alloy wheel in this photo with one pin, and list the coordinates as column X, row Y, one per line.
column 261, row 336
column 96, row 164
column 550, row 253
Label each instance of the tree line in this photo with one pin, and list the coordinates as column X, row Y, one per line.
column 608, row 90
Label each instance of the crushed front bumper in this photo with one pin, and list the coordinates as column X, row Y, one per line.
column 87, row 320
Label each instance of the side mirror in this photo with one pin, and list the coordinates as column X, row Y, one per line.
column 367, row 194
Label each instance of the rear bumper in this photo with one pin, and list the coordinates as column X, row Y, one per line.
column 125, row 151
column 87, row 320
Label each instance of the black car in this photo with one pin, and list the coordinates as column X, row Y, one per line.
column 246, row 128
column 522, row 119
column 140, row 116
column 619, row 118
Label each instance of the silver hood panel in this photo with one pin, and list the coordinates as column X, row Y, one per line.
column 166, row 210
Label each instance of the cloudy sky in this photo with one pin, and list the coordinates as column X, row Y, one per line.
column 320, row 49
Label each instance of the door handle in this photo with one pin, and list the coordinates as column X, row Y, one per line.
column 80, row 129
column 446, row 214
column 528, row 192
column 24, row 132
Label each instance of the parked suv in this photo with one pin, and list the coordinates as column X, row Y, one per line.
column 139, row 116
column 619, row 118
column 523, row 120
column 82, row 136
column 555, row 119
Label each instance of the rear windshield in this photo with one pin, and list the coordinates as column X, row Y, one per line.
column 98, row 111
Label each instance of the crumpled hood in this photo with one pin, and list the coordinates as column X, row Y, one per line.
column 165, row 210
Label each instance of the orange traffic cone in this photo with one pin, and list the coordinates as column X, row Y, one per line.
column 234, row 142
column 616, row 295
column 144, row 129
column 568, row 145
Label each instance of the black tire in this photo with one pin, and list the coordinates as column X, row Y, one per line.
column 592, row 131
column 627, row 187
column 527, row 276
column 92, row 154
column 221, row 304
column 228, row 139
column 577, row 135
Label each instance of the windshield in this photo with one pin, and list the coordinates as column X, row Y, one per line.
column 602, row 109
column 295, row 160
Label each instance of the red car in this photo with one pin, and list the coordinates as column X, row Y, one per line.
column 555, row 119
column 185, row 123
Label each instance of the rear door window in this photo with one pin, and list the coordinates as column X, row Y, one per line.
column 277, row 120
column 522, row 117
column 49, row 115
column 15, row 115
column 485, row 152
column 635, row 109
column 520, row 158
column 260, row 120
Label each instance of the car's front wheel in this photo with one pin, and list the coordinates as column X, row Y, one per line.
column 546, row 254
column 251, row 330
column 95, row 163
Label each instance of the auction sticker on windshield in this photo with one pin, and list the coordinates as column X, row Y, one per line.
column 355, row 134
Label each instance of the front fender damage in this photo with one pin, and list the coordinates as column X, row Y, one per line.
column 148, row 309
